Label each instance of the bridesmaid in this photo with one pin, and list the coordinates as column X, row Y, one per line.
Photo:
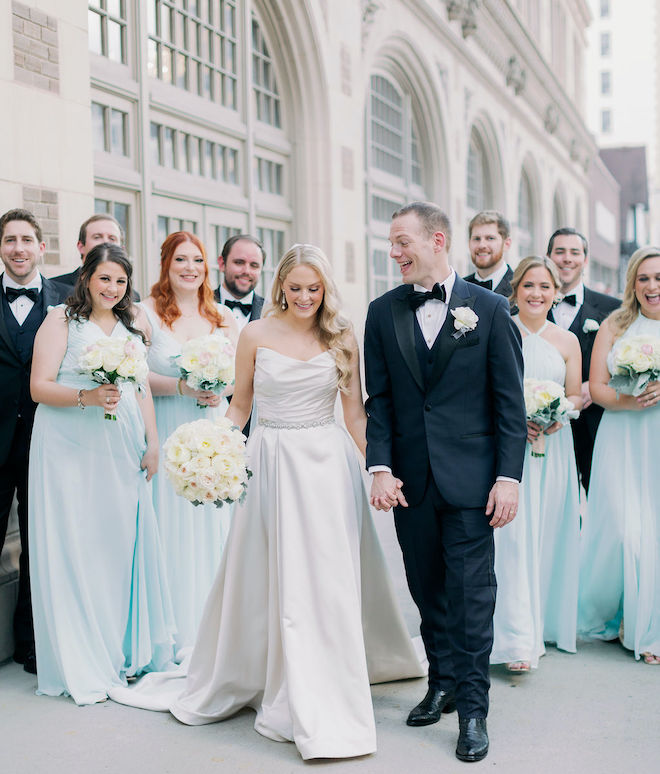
column 620, row 568
column 181, row 307
column 537, row 555
column 101, row 604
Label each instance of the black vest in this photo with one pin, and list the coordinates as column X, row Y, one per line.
column 425, row 356
column 22, row 337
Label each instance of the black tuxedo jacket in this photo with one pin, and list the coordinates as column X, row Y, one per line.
column 503, row 288
column 596, row 306
column 11, row 369
column 466, row 425
column 257, row 304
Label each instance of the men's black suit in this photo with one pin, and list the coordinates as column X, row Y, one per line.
column 596, row 306
column 67, row 283
column 16, row 418
column 503, row 287
column 257, row 304
column 447, row 421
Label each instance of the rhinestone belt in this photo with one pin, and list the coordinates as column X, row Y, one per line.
column 296, row 425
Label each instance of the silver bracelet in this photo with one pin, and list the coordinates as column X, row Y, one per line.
column 81, row 403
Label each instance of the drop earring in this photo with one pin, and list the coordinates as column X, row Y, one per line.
column 284, row 303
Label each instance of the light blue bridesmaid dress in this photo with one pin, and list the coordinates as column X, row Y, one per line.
column 192, row 537
column 537, row 554
column 101, row 605
column 620, row 566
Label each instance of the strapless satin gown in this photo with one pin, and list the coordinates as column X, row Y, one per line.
column 620, row 567
column 537, row 554
column 302, row 616
column 192, row 537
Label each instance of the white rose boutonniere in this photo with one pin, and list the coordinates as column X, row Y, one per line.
column 465, row 320
column 590, row 326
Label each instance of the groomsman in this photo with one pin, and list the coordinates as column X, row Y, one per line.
column 489, row 242
column 580, row 311
column 96, row 230
column 26, row 296
column 446, row 436
column 241, row 262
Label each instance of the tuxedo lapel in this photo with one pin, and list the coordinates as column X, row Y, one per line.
column 404, row 329
column 448, row 342
column 257, row 306
column 50, row 293
column 4, row 333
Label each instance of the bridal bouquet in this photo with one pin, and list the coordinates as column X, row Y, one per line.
column 207, row 363
column 545, row 404
column 206, row 463
column 113, row 360
column 636, row 362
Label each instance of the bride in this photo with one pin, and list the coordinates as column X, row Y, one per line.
column 301, row 617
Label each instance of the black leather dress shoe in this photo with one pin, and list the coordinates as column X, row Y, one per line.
column 431, row 707
column 472, row 739
column 30, row 663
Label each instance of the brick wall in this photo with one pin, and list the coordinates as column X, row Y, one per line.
column 42, row 202
column 36, row 51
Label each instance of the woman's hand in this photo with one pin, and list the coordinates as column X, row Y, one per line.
column 650, row 396
column 203, row 397
column 553, row 428
column 106, row 397
column 150, row 461
column 533, row 431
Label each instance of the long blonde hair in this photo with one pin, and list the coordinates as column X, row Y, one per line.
column 332, row 324
column 623, row 317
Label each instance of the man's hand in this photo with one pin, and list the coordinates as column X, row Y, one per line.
column 502, row 503
column 386, row 491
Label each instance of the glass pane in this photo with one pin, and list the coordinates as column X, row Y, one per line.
column 98, row 126
column 181, row 71
column 95, row 36
column 165, row 23
column 193, row 151
column 162, row 228
column 181, row 37
column 166, row 64
column 221, row 162
column 152, row 59
column 189, row 225
column 230, row 20
column 229, row 96
column 120, row 211
column 230, row 56
column 155, row 143
column 118, row 139
column 115, row 45
column 169, row 147
column 182, row 151
column 209, row 166
column 232, row 166
column 101, row 205
column 114, row 8
column 151, row 17
column 207, row 82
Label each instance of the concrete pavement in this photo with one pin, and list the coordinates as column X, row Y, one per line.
column 596, row 711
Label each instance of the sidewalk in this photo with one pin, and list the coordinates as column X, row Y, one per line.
column 596, row 711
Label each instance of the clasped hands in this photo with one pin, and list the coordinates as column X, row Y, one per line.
column 387, row 493
column 203, row 397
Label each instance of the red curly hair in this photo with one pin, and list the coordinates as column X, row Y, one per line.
column 164, row 299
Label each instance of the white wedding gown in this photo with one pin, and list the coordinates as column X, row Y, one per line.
column 302, row 615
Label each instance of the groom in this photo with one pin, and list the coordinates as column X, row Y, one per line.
column 446, row 438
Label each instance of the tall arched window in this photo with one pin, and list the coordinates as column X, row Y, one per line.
column 525, row 217
column 558, row 218
column 394, row 171
column 478, row 188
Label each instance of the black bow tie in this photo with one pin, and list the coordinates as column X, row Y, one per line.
column 488, row 284
column 14, row 293
column 417, row 298
column 571, row 300
column 245, row 308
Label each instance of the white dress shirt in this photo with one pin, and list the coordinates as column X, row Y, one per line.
column 564, row 313
column 22, row 306
column 431, row 315
column 241, row 318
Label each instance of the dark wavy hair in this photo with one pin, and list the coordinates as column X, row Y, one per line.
column 79, row 303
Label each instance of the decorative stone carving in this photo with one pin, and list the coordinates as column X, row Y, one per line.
column 574, row 150
column 551, row 119
column 516, row 76
column 469, row 22
column 455, row 9
column 369, row 10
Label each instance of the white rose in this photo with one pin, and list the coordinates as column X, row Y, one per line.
column 465, row 319
column 590, row 326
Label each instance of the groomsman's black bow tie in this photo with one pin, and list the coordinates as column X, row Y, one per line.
column 245, row 308
column 488, row 284
column 417, row 298
column 571, row 300
column 14, row 293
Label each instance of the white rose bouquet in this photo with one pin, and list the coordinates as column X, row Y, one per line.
column 636, row 362
column 207, row 363
column 113, row 360
column 206, row 463
column 545, row 404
